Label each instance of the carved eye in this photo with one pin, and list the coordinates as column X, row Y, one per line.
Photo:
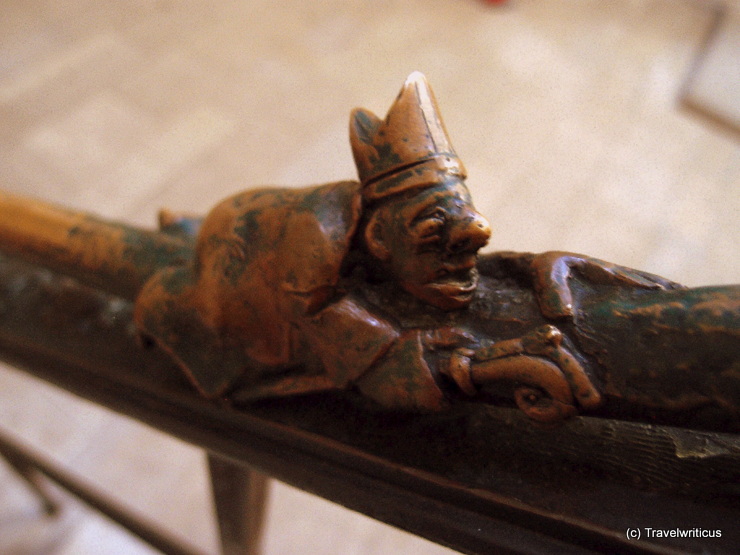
column 436, row 217
column 429, row 226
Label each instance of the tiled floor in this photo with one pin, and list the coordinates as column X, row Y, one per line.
column 566, row 115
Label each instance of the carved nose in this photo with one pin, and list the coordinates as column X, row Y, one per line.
column 470, row 235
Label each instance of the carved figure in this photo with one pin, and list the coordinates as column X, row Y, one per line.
column 376, row 286
column 284, row 294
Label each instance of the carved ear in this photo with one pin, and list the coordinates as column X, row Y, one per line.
column 374, row 238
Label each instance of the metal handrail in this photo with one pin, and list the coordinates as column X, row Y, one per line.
column 478, row 479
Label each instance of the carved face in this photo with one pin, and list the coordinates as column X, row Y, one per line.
column 428, row 243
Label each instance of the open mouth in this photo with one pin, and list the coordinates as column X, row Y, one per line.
column 456, row 283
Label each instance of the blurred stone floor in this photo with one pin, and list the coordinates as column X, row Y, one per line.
column 566, row 114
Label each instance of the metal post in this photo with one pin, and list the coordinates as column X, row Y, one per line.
column 240, row 496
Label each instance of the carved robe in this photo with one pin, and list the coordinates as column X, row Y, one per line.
column 265, row 288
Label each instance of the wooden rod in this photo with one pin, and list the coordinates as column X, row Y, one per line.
column 111, row 256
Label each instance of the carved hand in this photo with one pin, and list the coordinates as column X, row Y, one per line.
column 553, row 270
column 457, row 342
column 551, row 381
column 447, row 338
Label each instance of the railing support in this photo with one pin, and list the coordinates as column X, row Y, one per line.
column 240, row 496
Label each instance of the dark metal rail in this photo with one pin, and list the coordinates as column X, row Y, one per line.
column 478, row 479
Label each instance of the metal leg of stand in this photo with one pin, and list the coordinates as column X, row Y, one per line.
column 34, row 481
column 240, row 496
column 32, row 466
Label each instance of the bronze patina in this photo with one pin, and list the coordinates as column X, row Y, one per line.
column 376, row 287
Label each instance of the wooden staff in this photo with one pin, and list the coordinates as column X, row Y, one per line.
column 111, row 256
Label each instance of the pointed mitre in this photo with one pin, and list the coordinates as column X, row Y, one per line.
column 407, row 150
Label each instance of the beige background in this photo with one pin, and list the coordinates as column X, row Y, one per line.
column 566, row 115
